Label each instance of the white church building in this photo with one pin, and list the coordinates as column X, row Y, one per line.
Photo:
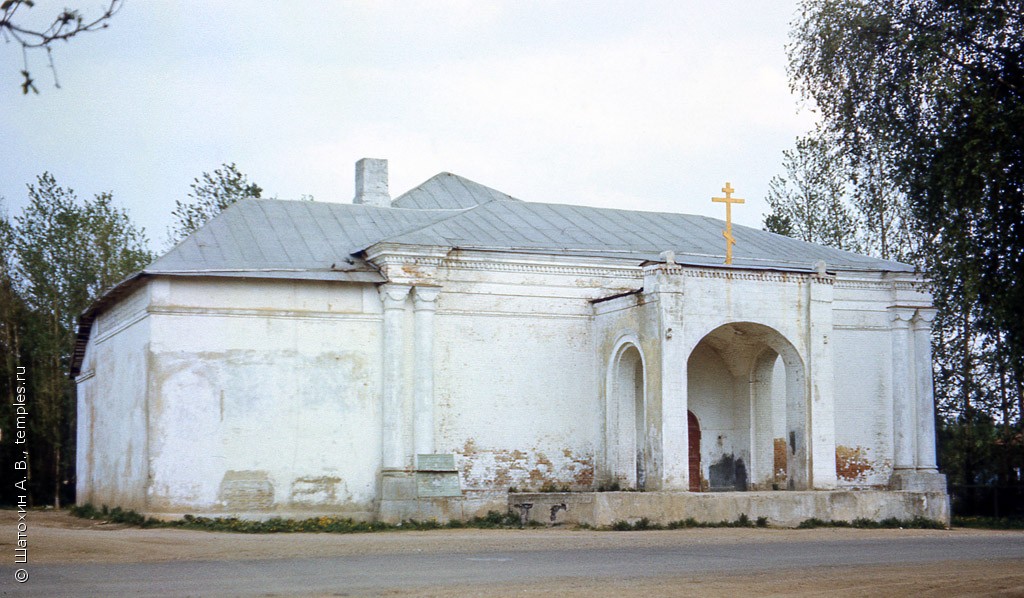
column 456, row 350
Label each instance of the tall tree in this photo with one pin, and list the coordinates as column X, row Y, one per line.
column 938, row 85
column 13, row 321
column 925, row 100
column 888, row 229
column 64, row 254
column 808, row 202
column 117, row 247
column 209, row 196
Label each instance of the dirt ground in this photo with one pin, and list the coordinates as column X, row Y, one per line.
column 56, row 538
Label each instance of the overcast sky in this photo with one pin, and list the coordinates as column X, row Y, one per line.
column 638, row 105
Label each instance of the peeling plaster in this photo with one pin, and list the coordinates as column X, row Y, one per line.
column 246, row 490
column 852, row 463
column 321, row 490
column 527, row 470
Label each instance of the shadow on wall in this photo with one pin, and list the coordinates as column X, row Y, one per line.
column 728, row 473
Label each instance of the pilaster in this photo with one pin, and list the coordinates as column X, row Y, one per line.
column 673, row 447
column 393, row 296
column 822, row 432
column 408, row 491
column 926, row 478
column 424, row 305
column 922, row 327
column 904, row 420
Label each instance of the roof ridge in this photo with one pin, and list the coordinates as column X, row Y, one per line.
column 417, row 227
column 478, row 193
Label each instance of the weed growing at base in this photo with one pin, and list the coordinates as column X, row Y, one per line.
column 889, row 523
column 492, row 520
column 744, row 521
column 336, row 525
column 646, row 524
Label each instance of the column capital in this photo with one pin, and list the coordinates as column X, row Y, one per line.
column 900, row 317
column 393, row 295
column 923, row 318
column 425, row 298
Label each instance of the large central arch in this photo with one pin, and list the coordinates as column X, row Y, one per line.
column 746, row 385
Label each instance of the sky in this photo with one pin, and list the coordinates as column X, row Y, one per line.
column 635, row 105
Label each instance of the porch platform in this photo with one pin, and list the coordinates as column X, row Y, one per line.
column 781, row 508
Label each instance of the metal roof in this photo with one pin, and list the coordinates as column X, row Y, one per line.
column 555, row 228
column 450, row 211
column 288, row 237
column 448, row 191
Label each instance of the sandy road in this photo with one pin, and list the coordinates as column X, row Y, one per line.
column 68, row 556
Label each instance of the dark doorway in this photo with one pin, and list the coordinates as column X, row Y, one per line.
column 694, row 435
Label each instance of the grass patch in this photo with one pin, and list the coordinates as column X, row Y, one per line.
column 551, row 487
column 988, row 522
column 646, row 524
column 492, row 520
column 115, row 515
column 889, row 523
column 762, row 522
column 334, row 525
column 641, row 525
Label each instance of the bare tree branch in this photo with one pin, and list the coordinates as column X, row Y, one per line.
column 66, row 25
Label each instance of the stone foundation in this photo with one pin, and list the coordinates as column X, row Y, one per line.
column 783, row 509
column 918, row 481
column 402, row 498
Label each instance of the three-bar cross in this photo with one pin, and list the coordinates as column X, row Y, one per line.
column 728, row 200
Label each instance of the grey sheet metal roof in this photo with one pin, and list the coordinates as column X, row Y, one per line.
column 540, row 227
column 448, row 191
column 493, row 220
column 287, row 237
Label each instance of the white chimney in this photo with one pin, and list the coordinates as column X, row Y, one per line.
column 372, row 183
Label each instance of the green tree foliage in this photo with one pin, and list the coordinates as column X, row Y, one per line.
column 63, row 26
column 924, row 99
column 117, row 247
column 13, row 349
column 936, row 86
column 825, row 198
column 887, row 227
column 808, row 202
column 209, row 196
column 61, row 255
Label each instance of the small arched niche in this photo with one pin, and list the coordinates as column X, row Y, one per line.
column 627, row 450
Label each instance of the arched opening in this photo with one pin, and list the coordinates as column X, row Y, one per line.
column 627, row 451
column 745, row 384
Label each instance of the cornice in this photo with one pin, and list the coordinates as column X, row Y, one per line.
column 738, row 274
column 390, row 251
column 415, row 264
column 881, row 285
column 538, row 268
column 260, row 313
column 407, row 264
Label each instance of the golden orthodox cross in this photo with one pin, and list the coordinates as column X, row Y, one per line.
column 728, row 200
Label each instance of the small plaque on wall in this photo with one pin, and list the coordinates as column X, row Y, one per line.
column 436, row 476
column 432, row 484
column 435, row 463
